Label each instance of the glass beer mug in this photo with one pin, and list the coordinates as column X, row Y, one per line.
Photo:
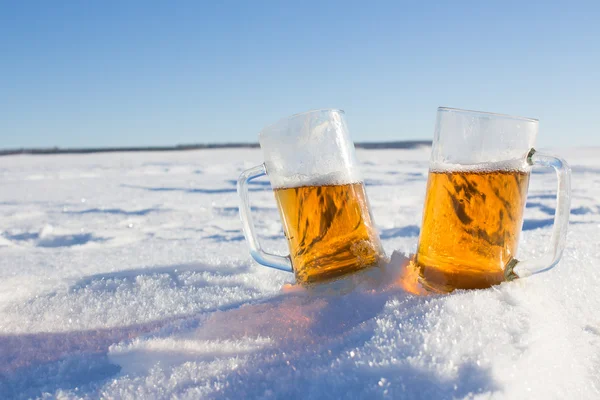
column 311, row 163
column 476, row 192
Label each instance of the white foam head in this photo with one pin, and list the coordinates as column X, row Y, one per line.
column 298, row 180
column 519, row 164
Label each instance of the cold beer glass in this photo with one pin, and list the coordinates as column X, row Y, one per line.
column 311, row 163
column 476, row 192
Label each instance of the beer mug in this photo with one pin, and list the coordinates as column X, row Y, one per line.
column 311, row 164
column 476, row 192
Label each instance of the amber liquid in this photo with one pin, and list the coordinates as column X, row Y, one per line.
column 471, row 226
column 329, row 229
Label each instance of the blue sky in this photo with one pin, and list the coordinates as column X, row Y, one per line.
column 76, row 74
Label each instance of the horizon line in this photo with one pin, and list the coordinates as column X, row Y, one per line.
column 400, row 144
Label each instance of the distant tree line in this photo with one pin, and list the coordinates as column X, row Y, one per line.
column 408, row 144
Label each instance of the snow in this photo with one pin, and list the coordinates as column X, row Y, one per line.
column 126, row 275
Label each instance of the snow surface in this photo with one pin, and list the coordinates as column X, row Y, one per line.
column 126, row 275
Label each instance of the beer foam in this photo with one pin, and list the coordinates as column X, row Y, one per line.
column 519, row 165
column 332, row 178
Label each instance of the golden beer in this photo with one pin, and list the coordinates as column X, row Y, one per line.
column 329, row 229
column 471, row 225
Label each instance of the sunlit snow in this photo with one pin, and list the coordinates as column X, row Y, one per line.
column 126, row 275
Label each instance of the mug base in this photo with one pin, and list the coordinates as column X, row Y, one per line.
column 369, row 275
column 443, row 281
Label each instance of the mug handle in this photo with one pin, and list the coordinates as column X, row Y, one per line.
column 262, row 257
column 521, row 269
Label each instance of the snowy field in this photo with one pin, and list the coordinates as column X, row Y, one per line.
column 126, row 275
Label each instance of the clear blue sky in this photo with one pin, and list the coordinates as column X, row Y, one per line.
column 122, row 73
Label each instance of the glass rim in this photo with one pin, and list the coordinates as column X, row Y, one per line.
column 317, row 110
column 484, row 113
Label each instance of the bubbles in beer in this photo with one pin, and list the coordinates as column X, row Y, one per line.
column 472, row 219
column 329, row 229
